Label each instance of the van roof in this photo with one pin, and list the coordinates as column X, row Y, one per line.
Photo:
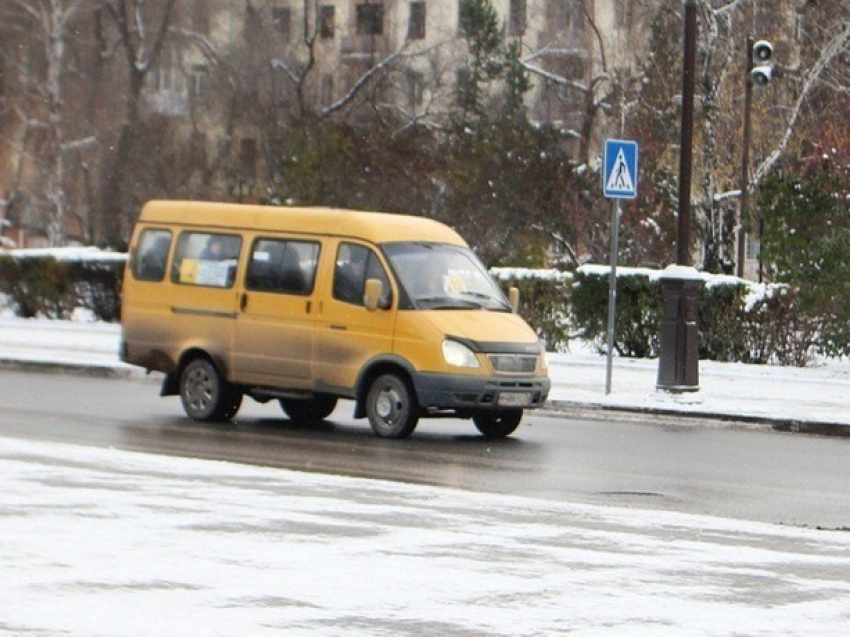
column 377, row 227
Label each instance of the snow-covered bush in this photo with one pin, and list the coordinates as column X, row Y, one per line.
column 54, row 283
column 738, row 320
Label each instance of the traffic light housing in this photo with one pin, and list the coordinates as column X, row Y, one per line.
column 762, row 68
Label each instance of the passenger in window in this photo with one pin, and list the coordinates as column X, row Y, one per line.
column 152, row 264
column 348, row 276
column 214, row 250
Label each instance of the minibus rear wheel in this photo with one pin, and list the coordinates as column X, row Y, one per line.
column 206, row 396
column 391, row 407
column 309, row 410
column 497, row 424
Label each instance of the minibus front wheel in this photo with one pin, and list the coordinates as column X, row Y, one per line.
column 205, row 394
column 497, row 424
column 391, row 407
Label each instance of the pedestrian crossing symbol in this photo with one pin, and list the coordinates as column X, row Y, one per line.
column 620, row 175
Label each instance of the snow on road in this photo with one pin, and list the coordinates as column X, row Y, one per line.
column 106, row 542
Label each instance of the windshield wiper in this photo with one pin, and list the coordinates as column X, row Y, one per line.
column 447, row 303
column 501, row 305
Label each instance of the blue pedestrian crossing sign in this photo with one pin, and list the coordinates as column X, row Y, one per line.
column 619, row 180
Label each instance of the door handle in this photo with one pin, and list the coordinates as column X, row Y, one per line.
column 243, row 301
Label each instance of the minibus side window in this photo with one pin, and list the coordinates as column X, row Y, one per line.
column 355, row 264
column 152, row 255
column 204, row 258
column 284, row 266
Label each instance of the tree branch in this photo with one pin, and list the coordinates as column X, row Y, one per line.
column 833, row 50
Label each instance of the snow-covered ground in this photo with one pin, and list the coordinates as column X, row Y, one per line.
column 104, row 542
column 107, row 542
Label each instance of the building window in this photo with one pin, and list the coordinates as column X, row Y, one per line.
column 370, row 19
column 752, row 247
column 282, row 20
column 248, row 155
column 326, row 96
column 327, row 17
column 201, row 17
column 166, row 77
column 198, row 79
column 517, row 17
column 416, row 26
column 415, row 88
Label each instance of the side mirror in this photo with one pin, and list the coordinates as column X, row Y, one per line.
column 372, row 294
column 513, row 298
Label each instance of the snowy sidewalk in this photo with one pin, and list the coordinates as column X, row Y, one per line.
column 815, row 399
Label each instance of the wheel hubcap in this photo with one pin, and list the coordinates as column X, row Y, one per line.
column 385, row 406
column 199, row 389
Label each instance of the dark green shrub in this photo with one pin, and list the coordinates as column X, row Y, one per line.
column 721, row 332
column 638, row 310
column 777, row 329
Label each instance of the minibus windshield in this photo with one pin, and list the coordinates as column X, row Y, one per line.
column 441, row 276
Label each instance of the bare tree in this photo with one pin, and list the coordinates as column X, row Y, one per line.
column 141, row 33
column 47, row 115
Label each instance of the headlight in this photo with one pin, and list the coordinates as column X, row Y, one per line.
column 458, row 354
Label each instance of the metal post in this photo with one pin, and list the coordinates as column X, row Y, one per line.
column 612, row 293
column 745, row 163
column 687, row 136
column 678, row 365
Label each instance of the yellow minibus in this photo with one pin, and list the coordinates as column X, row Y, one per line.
column 309, row 305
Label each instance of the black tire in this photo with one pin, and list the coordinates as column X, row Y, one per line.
column 206, row 396
column 391, row 407
column 309, row 410
column 497, row 424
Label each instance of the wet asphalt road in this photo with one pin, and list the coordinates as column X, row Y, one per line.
column 651, row 463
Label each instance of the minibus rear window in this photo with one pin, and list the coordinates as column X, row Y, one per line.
column 151, row 257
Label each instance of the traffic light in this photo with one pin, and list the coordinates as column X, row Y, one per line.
column 762, row 52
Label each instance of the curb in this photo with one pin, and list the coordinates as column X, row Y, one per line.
column 787, row 425
column 92, row 370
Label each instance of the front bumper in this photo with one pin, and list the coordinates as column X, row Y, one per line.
column 438, row 392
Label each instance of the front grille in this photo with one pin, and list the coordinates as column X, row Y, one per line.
column 513, row 363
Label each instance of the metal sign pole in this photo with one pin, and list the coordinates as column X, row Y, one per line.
column 612, row 293
column 619, row 181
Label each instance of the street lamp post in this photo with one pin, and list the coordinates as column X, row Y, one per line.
column 678, row 365
column 759, row 72
column 745, row 164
